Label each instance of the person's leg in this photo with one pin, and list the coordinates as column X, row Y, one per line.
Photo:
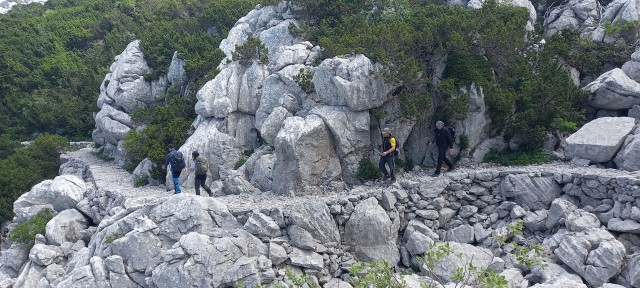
column 203, row 181
column 382, row 167
column 176, row 184
column 391, row 161
column 441, row 156
column 197, row 185
column 449, row 163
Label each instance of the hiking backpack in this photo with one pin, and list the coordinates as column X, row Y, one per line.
column 452, row 132
column 201, row 166
column 396, row 152
column 177, row 162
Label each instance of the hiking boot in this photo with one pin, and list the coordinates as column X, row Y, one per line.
column 451, row 169
column 385, row 178
column 435, row 174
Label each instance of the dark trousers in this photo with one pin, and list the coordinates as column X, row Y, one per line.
column 442, row 157
column 384, row 160
column 200, row 180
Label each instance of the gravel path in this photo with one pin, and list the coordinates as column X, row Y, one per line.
column 110, row 177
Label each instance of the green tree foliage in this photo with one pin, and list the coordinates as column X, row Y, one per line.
column 26, row 167
column 527, row 90
column 165, row 124
column 25, row 233
column 54, row 56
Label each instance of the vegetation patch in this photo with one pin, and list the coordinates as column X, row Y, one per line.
column 113, row 237
column 25, row 233
column 517, row 158
column 367, row 170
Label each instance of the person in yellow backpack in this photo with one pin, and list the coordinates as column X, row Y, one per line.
column 200, row 166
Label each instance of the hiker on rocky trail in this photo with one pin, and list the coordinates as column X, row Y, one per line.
column 200, row 166
column 388, row 154
column 175, row 160
column 443, row 141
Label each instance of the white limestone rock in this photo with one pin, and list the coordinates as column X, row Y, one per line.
column 600, row 139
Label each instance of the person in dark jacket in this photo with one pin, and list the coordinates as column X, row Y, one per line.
column 175, row 171
column 443, row 141
column 200, row 167
column 387, row 157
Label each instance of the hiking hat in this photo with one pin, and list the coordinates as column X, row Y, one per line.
column 438, row 123
column 386, row 130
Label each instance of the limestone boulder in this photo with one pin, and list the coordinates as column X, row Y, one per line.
column 76, row 168
column 143, row 171
column 614, row 90
column 371, row 233
column 633, row 270
column 594, row 254
column 301, row 53
column 229, row 263
column 621, row 12
column 262, row 177
column 66, row 227
column 177, row 75
column 305, row 156
column 464, row 254
column 61, row 193
column 262, row 225
column 315, row 218
column 576, row 15
column 273, row 124
column 113, row 123
column 535, row 192
column 235, row 88
column 12, row 260
column 629, row 156
column 351, row 82
column 349, row 129
column 280, row 89
column 45, row 255
column 221, row 150
column 600, row 139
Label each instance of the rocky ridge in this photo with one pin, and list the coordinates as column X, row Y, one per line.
column 119, row 236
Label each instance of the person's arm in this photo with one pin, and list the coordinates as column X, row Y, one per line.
column 449, row 140
column 392, row 141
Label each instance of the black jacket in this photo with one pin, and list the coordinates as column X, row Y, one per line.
column 443, row 138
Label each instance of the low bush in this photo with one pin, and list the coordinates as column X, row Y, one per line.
column 517, row 158
column 367, row 170
column 25, row 233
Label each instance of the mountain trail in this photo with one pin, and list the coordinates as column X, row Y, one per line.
column 109, row 176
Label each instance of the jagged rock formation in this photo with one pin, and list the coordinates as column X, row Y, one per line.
column 123, row 90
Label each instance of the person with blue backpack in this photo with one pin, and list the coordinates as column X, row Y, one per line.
column 175, row 160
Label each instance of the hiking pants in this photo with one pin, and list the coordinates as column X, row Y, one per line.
column 176, row 181
column 442, row 157
column 384, row 160
column 200, row 180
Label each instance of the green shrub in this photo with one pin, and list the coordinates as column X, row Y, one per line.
column 252, row 50
column 27, row 167
column 239, row 163
column 113, row 237
column 464, row 142
column 374, row 274
column 25, row 233
column 367, row 170
column 518, row 158
column 248, row 152
column 140, row 181
column 130, row 166
column 303, row 79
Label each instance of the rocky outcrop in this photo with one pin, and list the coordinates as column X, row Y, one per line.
column 305, row 156
column 600, row 139
column 534, row 192
column 579, row 15
column 123, row 90
column 629, row 156
column 63, row 192
column 372, row 234
column 614, row 90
